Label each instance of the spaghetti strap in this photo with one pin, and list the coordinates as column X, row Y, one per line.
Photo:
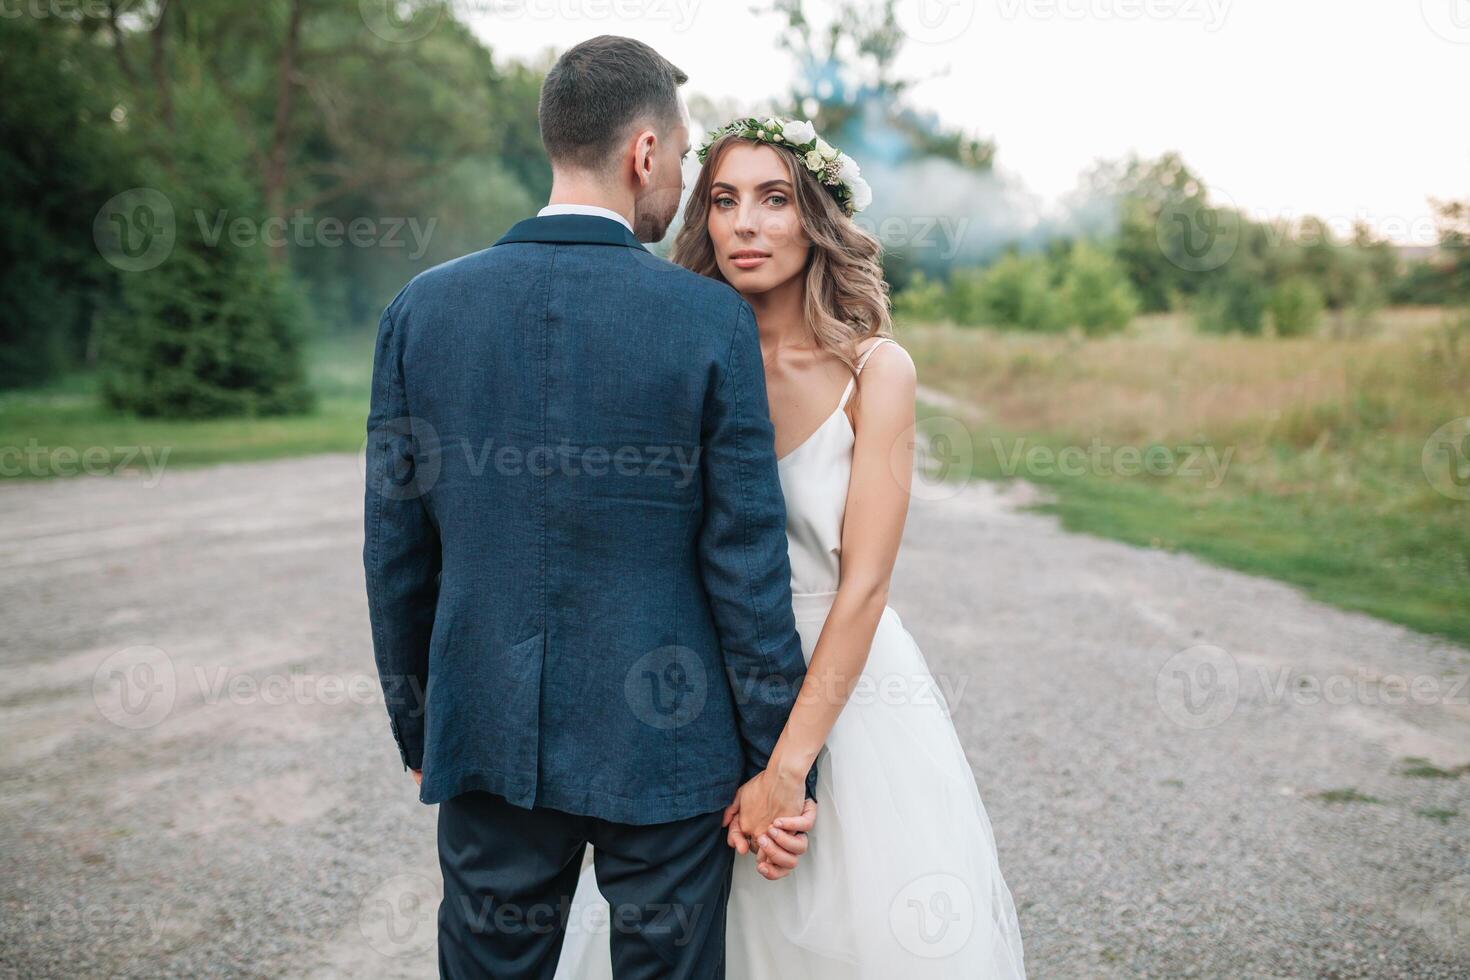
column 869, row 352
column 847, row 392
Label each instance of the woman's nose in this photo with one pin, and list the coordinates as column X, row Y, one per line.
column 745, row 220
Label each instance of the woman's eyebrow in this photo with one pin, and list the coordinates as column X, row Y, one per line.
column 778, row 182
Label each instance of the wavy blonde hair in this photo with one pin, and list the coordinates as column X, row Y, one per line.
column 846, row 299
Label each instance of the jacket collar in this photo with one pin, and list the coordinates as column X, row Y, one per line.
column 571, row 229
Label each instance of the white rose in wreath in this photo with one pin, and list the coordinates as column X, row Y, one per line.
column 799, row 131
column 862, row 194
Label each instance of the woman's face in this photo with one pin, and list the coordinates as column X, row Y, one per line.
column 753, row 220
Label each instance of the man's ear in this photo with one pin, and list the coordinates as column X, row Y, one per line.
column 644, row 147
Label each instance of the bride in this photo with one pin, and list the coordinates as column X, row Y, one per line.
column 897, row 876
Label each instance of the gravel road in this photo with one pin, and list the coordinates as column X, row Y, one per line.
column 1191, row 772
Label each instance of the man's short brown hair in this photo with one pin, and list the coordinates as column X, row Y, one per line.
column 597, row 90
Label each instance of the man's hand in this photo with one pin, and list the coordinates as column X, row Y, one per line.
column 418, row 776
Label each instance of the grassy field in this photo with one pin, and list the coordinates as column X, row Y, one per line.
column 1297, row 459
column 1302, row 459
column 65, row 431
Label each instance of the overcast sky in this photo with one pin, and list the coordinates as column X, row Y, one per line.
column 1286, row 107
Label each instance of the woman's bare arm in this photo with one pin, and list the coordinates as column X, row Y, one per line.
column 877, row 506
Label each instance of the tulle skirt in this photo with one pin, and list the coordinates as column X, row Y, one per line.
column 900, row 879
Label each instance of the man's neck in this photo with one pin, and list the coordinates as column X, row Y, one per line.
column 568, row 190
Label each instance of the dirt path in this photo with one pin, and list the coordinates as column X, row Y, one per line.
column 196, row 780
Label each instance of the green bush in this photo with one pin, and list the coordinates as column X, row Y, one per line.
column 1295, row 306
column 1234, row 303
column 923, row 300
column 213, row 329
column 1096, row 292
column 1017, row 291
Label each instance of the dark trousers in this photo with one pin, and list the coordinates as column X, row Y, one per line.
column 509, row 876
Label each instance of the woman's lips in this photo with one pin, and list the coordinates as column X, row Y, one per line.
column 745, row 259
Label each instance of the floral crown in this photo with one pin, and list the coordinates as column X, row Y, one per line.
column 836, row 171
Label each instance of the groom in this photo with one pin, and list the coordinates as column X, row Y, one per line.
column 576, row 551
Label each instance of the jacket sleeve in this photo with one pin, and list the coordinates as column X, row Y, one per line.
column 401, row 554
column 742, row 550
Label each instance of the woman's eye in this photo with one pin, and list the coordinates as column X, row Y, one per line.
column 721, row 202
column 777, row 200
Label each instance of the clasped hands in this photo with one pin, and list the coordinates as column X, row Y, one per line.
column 771, row 815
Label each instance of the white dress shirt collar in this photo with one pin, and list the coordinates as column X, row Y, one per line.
column 584, row 209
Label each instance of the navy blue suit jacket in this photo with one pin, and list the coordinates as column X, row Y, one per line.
column 575, row 540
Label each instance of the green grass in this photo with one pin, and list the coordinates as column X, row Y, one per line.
column 1324, row 488
column 1348, row 795
column 1417, row 768
column 1408, row 568
column 64, row 430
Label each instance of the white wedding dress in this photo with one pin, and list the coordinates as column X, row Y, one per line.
column 900, row 880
